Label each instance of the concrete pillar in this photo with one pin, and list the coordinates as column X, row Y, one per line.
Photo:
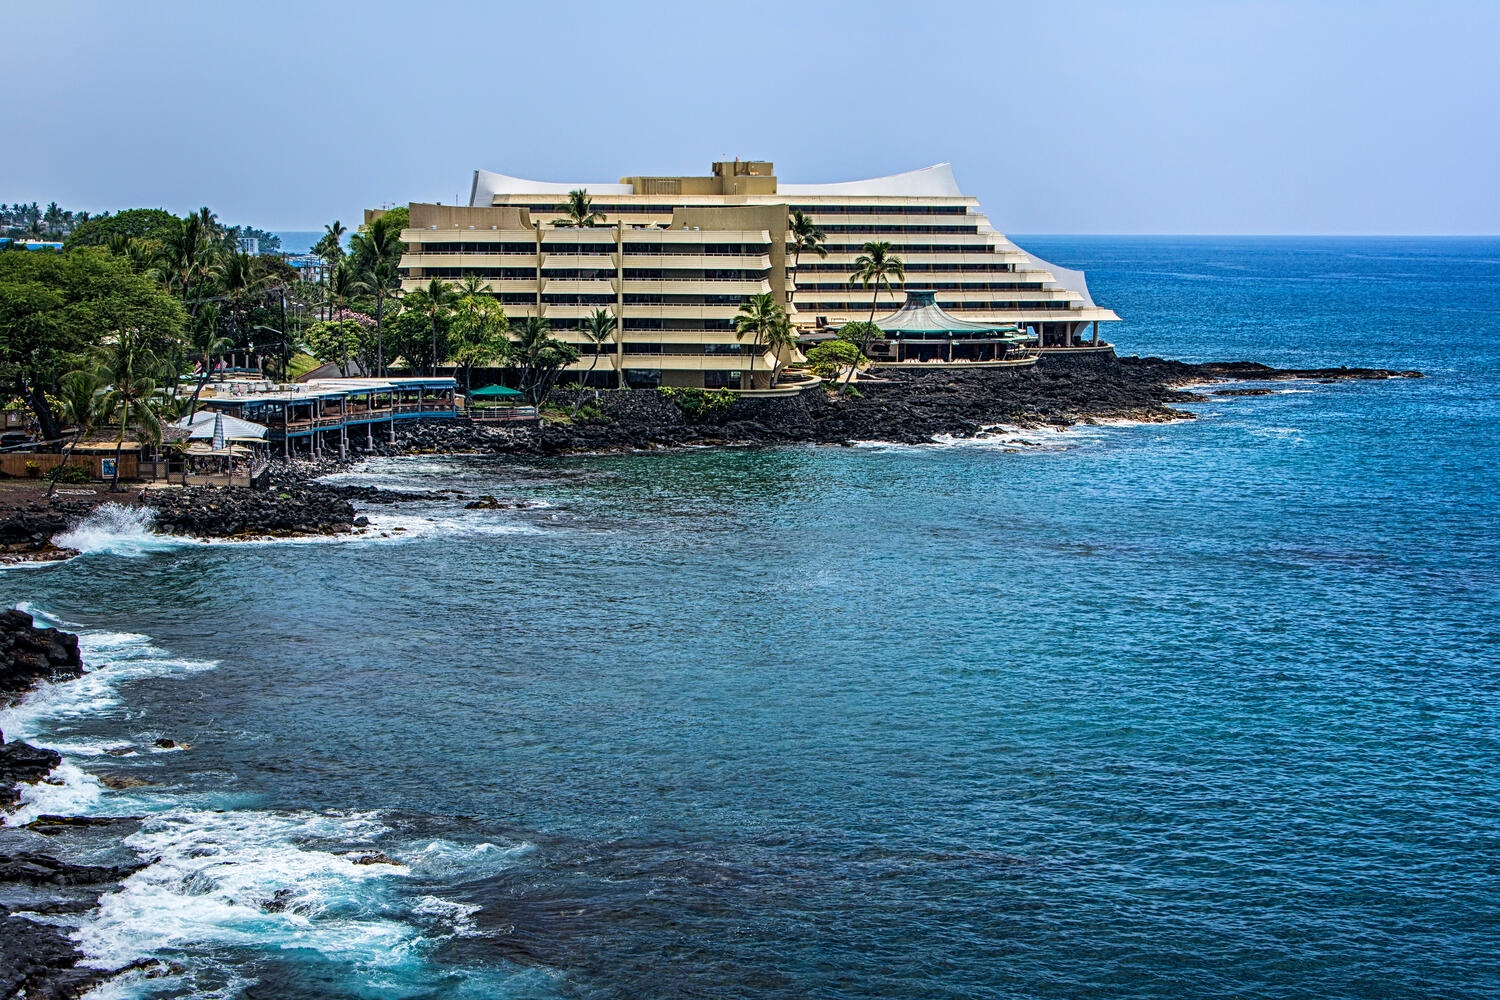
column 1096, row 333
column 1068, row 337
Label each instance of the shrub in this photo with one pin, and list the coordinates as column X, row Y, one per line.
column 830, row 356
column 70, row 474
column 33, row 470
column 700, row 405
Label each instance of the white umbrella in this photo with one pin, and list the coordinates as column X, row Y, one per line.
column 219, row 440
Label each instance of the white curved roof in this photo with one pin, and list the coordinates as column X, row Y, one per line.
column 487, row 184
column 935, row 181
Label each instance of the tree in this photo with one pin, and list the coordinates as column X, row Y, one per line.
column 579, row 211
column 806, row 236
column 81, row 402
column 830, row 357
column 152, row 224
column 331, row 246
column 598, row 330
column 873, row 268
column 340, row 341
column 239, row 280
column 206, row 344
column 480, row 329
column 377, row 254
column 758, row 315
column 56, row 308
column 189, row 254
column 540, row 358
column 130, row 369
column 860, row 333
column 781, row 338
column 434, row 301
column 53, row 217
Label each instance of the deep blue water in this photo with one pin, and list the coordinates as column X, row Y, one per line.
column 1206, row 709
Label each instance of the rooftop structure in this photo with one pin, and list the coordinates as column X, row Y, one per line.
column 676, row 256
column 320, row 415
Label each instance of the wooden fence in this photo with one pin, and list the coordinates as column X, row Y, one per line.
column 22, row 465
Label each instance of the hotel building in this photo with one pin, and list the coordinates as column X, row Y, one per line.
column 677, row 256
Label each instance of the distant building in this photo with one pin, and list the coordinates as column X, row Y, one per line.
column 250, row 245
column 677, row 256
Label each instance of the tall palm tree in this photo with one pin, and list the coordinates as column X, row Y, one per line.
column 206, row 345
column 579, row 212
column 341, row 282
column 188, row 256
column 873, row 268
column 598, row 330
column 82, row 406
column 758, row 315
column 331, row 246
column 806, row 237
column 437, row 305
column 876, row 267
column 379, row 249
column 130, row 369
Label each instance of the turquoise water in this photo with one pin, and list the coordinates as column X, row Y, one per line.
column 1198, row 710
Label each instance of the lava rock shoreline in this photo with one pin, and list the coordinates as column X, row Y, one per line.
column 40, row 960
column 903, row 406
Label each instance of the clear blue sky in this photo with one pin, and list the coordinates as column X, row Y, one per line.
column 1192, row 117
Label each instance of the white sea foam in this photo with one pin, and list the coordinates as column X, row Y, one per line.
column 114, row 657
column 68, row 791
column 244, row 878
column 118, row 530
column 254, row 879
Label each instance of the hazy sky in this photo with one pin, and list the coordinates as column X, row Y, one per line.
column 1193, row 117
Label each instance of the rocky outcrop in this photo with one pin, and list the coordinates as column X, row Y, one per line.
column 26, row 532
column 31, row 655
column 901, row 405
column 220, row 512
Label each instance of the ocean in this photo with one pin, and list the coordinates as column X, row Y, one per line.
column 1203, row 709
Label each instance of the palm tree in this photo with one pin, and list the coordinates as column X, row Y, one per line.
column 379, row 249
column 341, row 282
column 207, row 345
column 540, row 357
column 876, row 267
column 758, row 315
column 54, row 219
column 83, row 407
column 873, row 268
column 434, row 302
column 480, row 327
column 239, row 279
column 188, row 255
column 598, row 330
column 331, row 246
column 806, row 236
column 781, row 338
column 579, row 211
column 130, row 369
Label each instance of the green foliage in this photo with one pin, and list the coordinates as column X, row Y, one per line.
column 67, row 474
column 539, row 358
column 700, row 406
column 860, row 332
column 832, row 356
column 56, row 308
column 133, row 223
column 342, row 342
column 33, row 469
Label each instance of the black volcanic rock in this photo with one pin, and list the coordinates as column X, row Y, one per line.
column 221, row 512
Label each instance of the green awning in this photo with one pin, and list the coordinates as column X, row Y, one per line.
column 493, row 392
